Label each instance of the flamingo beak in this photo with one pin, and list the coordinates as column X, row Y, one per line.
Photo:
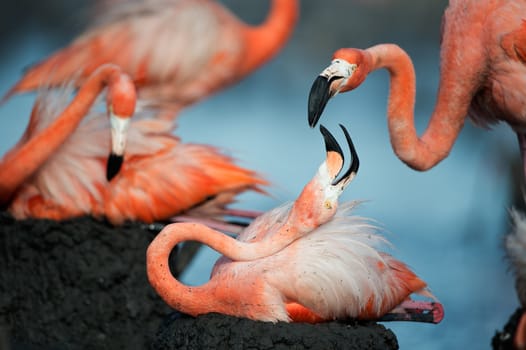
column 333, row 147
column 335, row 157
column 327, row 85
column 119, row 129
column 318, row 97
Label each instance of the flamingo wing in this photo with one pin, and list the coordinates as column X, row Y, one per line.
column 176, row 179
column 164, row 44
column 353, row 279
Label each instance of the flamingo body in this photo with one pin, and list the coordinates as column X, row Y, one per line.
column 176, row 51
column 160, row 176
column 309, row 261
column 482, row 75
column 335, row 271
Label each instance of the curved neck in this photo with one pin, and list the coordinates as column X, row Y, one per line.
column 453, row 100
column 303, row 217
column 264, row 41
column 18, row 165
column 201, row 299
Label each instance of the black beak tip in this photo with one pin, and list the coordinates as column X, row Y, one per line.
column 318, row 97
column 331, row 145
column 114, row 165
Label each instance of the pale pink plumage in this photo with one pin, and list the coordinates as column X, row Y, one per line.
column 332, row 271
column 176, row 51
column 308, row 261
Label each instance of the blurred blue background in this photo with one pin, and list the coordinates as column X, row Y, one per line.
column 447, row 223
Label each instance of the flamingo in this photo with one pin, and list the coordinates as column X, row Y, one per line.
column 176, row 51
column 482, row 75
column 515, row 246
column 309, row 261
column 38, row 142
column 56, row 170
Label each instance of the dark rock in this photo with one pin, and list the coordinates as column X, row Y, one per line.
column 503, row 340
column 215, row 331
column 81, row 284
column 77, row 284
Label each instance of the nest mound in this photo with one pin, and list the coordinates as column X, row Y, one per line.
column 81, row 284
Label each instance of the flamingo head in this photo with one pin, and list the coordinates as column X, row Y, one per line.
column 318, row 201
column 347, row 71
column 121, row 101
column 332, row 167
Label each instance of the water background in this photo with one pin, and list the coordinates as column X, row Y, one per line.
column 446, row 223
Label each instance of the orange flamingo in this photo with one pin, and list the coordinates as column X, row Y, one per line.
column 515, row 245
column 308, row 261
column 176, row 51
column 482, row 74
column 39, row 141
column 56, row 170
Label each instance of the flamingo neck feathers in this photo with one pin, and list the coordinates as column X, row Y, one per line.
column 188, row 299
column 299, row 222
column 27, row 158
column 264, row 41
column 454, row 97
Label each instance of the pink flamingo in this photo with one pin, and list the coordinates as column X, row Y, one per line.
column 482, row 74
column 176, row 51
column 57, row 171
column 308, row 261
column 38, row 142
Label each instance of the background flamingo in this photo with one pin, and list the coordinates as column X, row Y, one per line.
column 483, row 75
column 38, row 142
column 475, row 199
column 308, row 261
column 515, row 245
column 176, row 51
column 57, row 169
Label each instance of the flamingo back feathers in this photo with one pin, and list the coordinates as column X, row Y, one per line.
column 334, row 272
column 160, row 177
column 169, row 47
column 353, row 279
column 174, row 181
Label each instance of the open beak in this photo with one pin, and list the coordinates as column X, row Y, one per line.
column 335, row 158
column 119, row 129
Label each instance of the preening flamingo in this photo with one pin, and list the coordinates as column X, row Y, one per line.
column 482, row 74
column 57, row 168
column 515, row 245
column 40, row 141
column 176, row 51
column 308, row 261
